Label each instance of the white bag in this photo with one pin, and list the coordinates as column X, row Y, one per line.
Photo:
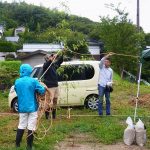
column 140, row 133
column 129, row 132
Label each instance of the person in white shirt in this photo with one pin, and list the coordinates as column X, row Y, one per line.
column 105, row 81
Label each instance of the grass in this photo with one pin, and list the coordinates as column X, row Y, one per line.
column 106, row 130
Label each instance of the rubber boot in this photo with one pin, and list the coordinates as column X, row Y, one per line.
column 54, row 113
column 30, row 138
column 47, row 114
column 19, row 136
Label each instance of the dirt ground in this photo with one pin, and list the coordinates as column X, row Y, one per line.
column 85, row 142
column 144, row 100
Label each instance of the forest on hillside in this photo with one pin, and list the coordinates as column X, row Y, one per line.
column 33, row 17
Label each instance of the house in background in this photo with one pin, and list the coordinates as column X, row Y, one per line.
column 29, row 48
column 33, row 58
column 14, row 39
column 95, row 48
column 34, row 53
column 19, row 30
column 1, row 30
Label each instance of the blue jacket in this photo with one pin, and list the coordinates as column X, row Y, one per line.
column 26, row 88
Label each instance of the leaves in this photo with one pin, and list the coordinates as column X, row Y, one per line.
column 9, row 71
column 120, row 36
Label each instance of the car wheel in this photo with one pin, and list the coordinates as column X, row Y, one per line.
column 92, row 102
column 15, row 106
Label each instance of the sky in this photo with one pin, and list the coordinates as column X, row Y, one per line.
column 92, row 9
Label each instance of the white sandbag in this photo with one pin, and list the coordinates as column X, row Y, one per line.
column 129, row 136
column 129, row 122
column 129, row 132
column 140, row 133
column 139, row 125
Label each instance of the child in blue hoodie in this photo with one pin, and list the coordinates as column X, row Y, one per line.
column 26, row 88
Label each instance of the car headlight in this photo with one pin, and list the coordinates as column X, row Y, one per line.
column 12, row 89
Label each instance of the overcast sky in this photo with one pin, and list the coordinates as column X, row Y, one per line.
column 94, row 8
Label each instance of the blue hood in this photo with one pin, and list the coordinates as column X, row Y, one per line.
column 25, row 70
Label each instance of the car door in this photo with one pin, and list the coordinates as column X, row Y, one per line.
column 73, row 84
column 63, row 95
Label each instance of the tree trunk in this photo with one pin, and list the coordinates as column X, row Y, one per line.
column 122, row 73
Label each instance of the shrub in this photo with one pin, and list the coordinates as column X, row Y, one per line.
column 10, row 57
column 7, row 46
column 9, row 71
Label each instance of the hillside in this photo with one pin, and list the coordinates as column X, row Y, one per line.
column 31, row 16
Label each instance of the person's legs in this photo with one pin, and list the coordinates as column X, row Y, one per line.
column 23, row 119
column 100, row 103
column 30, row 138
column 19, row 136
column 52, row 93
column 47, row 113
column 56, row 93
column 32, row 122
column 107, row 96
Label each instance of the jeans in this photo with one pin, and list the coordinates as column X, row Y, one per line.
column 102, row 91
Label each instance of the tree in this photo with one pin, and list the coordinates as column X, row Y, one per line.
column 147, row 39
column 38, row 28
column 120, row 36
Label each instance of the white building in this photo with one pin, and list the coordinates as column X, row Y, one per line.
column 19, row 30
column 1, row 30
column 28, row 48
column 12, row 38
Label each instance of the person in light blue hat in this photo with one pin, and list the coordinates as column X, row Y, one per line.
column 26, row 88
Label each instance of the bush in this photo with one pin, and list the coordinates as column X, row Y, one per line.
column 7, row 46
column 10, row 57
column 9, row 71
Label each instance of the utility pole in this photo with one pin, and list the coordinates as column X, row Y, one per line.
column 138, row 30
column 138, row 15
column 140, row 63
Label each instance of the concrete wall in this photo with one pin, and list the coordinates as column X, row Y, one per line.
column 34, row 60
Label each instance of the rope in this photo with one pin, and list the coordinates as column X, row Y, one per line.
column 1, row 114
column 49, row 66
column 126, row 55
column 103, row 115
column 44, row 105
column 138, row 91
column 69, row 109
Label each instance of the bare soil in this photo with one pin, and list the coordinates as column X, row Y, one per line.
column 86, row 142
column 144, row 100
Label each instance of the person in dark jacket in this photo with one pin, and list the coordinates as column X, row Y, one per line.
column 51, row 80
column 26, row 87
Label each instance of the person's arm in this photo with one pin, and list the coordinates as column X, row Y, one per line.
column 60, row 59
column 39, row 88
column 103, row 59
column 111, row 78
column 46, row 65
column 102, row 62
